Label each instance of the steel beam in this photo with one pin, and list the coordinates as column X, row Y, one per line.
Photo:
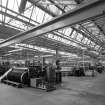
column 63, row 11
column 88, row 11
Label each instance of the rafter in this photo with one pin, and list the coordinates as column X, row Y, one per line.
column 87, row 11
column 63, row 11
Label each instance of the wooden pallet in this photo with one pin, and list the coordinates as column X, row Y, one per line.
column 16, row 84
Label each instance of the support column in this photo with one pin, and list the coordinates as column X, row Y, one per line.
column 58, row 69
column 57, row 55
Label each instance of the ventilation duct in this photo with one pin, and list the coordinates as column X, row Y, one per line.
column 22, row 6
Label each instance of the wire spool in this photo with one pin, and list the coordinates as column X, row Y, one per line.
column 19, row 76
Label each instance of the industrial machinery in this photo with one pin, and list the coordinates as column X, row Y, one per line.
column 99, row 67
column 35, row 71
column 42, row 78
column 4, row 67
column 18, row 77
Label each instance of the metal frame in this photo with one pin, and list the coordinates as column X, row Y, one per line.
column 83, row 13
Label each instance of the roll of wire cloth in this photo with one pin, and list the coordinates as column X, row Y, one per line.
column 19, row 75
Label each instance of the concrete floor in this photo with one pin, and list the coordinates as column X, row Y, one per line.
column 73, row 91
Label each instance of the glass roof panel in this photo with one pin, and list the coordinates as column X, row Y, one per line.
column 79, row 37
column 67, row 31
column 74, row 34
column 40, row 16
column 27, row 12
column 3, row 2
column 14, row 6
column 85, row 40
column 18, row 24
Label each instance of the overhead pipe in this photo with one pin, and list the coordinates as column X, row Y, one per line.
column 22, row 6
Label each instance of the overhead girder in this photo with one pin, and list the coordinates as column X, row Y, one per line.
column 87, row 11
column 33, row 25
column 94, row 39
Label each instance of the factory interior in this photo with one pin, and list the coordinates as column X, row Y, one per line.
column 52, row 52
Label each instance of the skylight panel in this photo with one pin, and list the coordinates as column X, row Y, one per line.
column 70, row 7
column 68, row 31
column 3, row 2
column 74, row 34
column 79, row 37
column 14, row 5
column 92, row 44
column 47, row 18
column 27, row 12
column 28, row 4
column 9, row 4
column 40, row 16
column 97, row 47
column 18, row 24
column 7, row 19
column 85, row 40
